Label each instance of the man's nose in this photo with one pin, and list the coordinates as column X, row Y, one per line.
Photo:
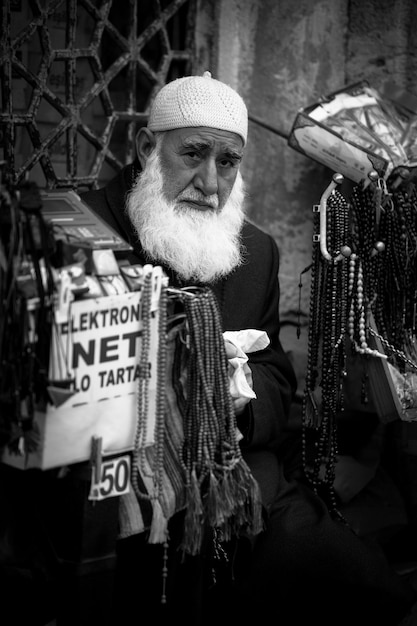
column 205, row 178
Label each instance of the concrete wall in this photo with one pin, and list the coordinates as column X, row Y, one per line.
column 282, row 55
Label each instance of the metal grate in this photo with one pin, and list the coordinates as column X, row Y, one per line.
column 77, row 78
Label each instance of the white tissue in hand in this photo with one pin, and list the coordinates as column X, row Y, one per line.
column 245, row 341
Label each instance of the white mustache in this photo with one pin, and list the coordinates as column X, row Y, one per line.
column 194, row 196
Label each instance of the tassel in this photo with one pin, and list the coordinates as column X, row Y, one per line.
column 240, row 476
column 226, row 494
column 193, row 522
column 236, row 493
column 216, row 511
column 248, row 502
column 159, row 525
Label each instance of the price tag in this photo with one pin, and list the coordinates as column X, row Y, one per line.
column 113, row 479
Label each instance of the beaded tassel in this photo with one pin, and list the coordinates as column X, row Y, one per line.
column 386, row 235
column 371, row 269
column 323, row 398
column 154, row 457
column 221, row 496
column 221, row 493
column 143, row 385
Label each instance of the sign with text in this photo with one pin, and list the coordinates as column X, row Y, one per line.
column 113, row 479
column 98, row 348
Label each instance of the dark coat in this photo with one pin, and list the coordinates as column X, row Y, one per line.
column 248, row 298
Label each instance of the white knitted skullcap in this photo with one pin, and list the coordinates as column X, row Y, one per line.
column 199, row 101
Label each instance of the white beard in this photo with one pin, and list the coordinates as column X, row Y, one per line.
column 200, row 246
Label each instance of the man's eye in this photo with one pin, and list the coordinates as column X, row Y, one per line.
column 228, row 163
column 193, row 154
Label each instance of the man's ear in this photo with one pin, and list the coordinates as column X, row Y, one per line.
column 145, row 143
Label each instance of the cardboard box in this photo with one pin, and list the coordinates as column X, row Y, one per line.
column 314, row 137
column 100, row 344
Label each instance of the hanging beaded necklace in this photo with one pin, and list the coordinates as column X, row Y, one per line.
column 366, row 266
column 140, row 450
column 323, row 396
column 221, row 494
column 389, row 261
column 221, row 497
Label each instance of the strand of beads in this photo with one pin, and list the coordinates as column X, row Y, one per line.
column 161, row 389
column 333, row 346
column 141, row 460
column 405, row 202
column 220, row 490
column 366, row 262
column 391, row 349
column 368, row 267
column 310, row 400
column 143, row 385
column 357, row 323
column 326, row 350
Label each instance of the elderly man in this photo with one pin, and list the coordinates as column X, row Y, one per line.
column 181, row 206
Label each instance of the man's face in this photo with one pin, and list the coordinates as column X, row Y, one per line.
column 200, row 166
column 187, row 206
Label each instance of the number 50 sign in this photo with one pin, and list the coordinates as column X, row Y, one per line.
column 112, row 479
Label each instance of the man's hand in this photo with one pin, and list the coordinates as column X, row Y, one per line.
column 239, row 402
